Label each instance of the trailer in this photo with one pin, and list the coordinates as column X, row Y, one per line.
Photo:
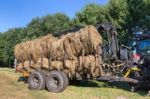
column 51, row 62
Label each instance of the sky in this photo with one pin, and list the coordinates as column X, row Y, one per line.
column 18, row 13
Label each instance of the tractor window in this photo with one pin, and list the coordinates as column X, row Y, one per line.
column 144, row 47
column 143, row 44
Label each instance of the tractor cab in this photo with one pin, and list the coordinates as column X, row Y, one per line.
column 142, row 45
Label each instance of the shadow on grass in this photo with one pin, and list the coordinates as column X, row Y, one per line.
column 91, row 83
column 23, row 79
column 105, row 84
column 98, row 84
column 4, row 66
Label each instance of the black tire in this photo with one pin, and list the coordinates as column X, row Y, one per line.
column 36, row 80
column 66, row 80
column 56, row 81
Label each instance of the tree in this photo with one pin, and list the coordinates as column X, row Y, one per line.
column 10, row 39
column 91, row 14
column 1, row 48
column 135, row 19
column 115, row 12
column 118, row 14
column 55, row 23
column 34, row 28
column 147, row 14
column 47, row 24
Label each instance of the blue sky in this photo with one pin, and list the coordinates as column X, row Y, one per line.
column 18, row 13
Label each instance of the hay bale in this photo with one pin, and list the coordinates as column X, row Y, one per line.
column 87, row 64
column 72, row 53
column 22, row 51
column 46, row 43
column 86, row 39
column 58, row 65
column 61, row 48
column 34, row 49
column 72, row 45
column 57, row 50
column 45, row 64
column 69, row 46
column 41, row 47
column 25, row 65
column 75, row 44
column 90, row 39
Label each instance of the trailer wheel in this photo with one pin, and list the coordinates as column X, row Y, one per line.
column 56, row 81
column 36, row 80
column 66, row 80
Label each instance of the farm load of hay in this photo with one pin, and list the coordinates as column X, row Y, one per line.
column 75, row 53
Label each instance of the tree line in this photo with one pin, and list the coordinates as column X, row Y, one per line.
column 128, row 16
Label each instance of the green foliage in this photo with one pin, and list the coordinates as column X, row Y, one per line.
column 33, row 29
column 47, row 24
column 128, row 16
column 1, row 48
column 135, row 19
column 36, row 28
column 118, row 12
column 91, row 14
column 147, row 14
column 10, row 39
column 55, row 23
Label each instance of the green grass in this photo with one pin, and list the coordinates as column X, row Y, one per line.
column 10, row 88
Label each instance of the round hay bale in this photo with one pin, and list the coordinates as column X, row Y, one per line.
column 25, row 65
column 57, row 50
column 21, row 51
column 90, row 38
column 75, row 44
column 89, row 64
column 69, row 51
column 34, row 49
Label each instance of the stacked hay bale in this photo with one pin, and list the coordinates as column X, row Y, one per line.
column 75, row 53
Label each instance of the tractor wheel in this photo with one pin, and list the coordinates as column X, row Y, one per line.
column 66, row 80
column 56, row 81
column 36, row 80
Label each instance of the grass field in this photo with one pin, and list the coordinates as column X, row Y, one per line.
column 10, row 88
